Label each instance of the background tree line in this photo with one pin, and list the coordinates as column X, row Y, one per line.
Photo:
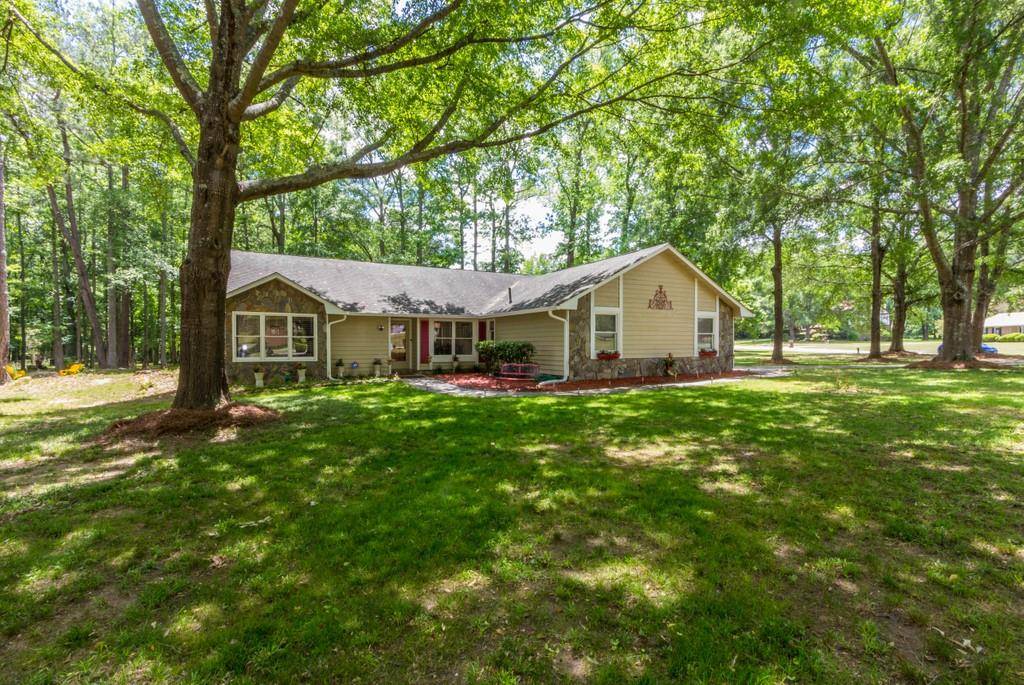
column 855, row 170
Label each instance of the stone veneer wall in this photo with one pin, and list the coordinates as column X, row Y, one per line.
column 275, row 296
column 582, row 367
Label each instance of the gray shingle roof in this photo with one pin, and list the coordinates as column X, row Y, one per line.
column 374, row 288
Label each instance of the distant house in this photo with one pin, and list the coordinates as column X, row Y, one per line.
column 1003, row 324
column 286, row 310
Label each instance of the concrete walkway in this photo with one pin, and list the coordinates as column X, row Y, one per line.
column 435, row 385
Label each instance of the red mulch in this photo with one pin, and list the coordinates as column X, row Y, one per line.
column 179, row 422
column 937, row 364
column 479, row 381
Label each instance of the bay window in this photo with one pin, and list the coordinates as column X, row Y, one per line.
column 262, row 336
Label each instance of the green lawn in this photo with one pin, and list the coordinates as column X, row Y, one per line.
column 848, row 347
column 832, row 526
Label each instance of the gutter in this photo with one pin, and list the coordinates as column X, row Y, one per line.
column 330, row 364
column 565, row 349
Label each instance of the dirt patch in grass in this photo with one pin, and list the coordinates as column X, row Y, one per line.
column 940, row 365
column 187, row 422
column 892, row 358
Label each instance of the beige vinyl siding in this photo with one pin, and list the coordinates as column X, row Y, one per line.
column 656, row 332
column 608, row 294
column 546, row 334
column 706, row 297
column 357, row 340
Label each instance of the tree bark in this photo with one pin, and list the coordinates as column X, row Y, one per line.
column 57, row 350
column 780, row 321
column 5, row 308
column 899, row 310
column 476, row 228
column 110, row 267
column 202, row 381
column 877, row 257
column 23, row 351
column 162, row 294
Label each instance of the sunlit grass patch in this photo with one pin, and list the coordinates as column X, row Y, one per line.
column 812, row 528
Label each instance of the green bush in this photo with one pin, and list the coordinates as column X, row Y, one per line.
column 494, row 353
column 992, row 337
column 1012, row 337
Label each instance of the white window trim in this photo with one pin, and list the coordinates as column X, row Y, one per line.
column 594, row 311
column 714, row 340
column 448, row 357
column 263, row 347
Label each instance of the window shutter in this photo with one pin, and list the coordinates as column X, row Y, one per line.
column 481, row 330
column 424, row 341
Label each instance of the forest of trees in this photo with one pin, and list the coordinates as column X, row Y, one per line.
column 855, row 167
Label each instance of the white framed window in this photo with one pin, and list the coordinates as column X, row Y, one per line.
column 605, row 330
column 707, row 331
column 490, row 329
column 273, row 337
column 453, row 338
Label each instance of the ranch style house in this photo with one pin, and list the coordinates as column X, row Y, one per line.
column 620, row 316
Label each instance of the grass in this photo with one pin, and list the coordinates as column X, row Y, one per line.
column 928, row 347
column 833, row 526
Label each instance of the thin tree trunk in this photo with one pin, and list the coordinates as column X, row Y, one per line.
column 23, row 269
column 57, row 351
column 145, row 326
column 507, row 256
column 780, row 321
column 877, row 256
column 476, row 229
column 162, row 294
column 420, row 230
column 5, row 308
column 899, row 310
column 111, row 266
column 494, row 235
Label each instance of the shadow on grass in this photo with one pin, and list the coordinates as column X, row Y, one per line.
column 811, row 528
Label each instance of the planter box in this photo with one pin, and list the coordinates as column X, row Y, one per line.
column 259, row 379
column 607, row 357
column 708, row 354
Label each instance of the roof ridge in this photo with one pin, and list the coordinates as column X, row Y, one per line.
column 409, row 266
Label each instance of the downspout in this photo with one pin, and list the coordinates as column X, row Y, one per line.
column 565, row 349
column 330, row 365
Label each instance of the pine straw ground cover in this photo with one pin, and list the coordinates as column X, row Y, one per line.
column 834, row 525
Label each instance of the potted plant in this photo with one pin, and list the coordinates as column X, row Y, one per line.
column 606, row 356
column 670, row 365
column 376, row 367
column 300, row 371
column 354, row 366
column 455, row 363
column 709, row 353
column 257, row 372
column 339, row 368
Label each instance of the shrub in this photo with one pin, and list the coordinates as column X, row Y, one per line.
column 494, row 353
column 992, row 337
column 1012, row 337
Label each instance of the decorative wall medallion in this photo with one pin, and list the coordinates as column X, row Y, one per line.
column 660, row 300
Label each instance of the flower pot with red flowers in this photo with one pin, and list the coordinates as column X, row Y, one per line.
column 708, row 353
column 300, row 372
column 608, row 356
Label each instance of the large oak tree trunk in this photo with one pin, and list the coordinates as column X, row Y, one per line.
column 779, row 317
column 202, row 381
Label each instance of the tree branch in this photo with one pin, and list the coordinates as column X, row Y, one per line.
column 267, row 106
column 99, row 85
column 168, row 51
column 259, row 65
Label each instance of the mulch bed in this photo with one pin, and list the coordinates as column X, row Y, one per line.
column 939, row 365
column 180, row 422
column 892, row 358
column 479, row 381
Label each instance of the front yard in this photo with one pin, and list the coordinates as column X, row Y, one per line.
column 834, row 526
